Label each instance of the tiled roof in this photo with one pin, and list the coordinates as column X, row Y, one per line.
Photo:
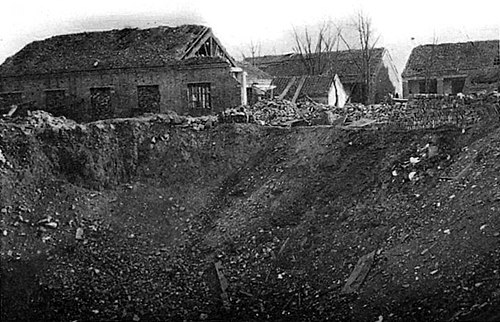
column 104, row 49
column 314, row 85
column 451, row 58
column 343, row 63
column 253, row 72
column 486, row 75
column 317, row 86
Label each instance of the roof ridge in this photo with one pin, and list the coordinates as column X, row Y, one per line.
column 460, row 42
column 107, row 49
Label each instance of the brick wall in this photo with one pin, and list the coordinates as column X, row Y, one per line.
column 431, row 111
column 123, row 84
column 9, row 98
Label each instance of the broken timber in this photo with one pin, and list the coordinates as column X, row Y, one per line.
column 223, row 283
column 287, row 88
column 359, row 273
column 299, row 88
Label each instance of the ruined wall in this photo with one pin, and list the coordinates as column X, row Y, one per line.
column 431, row 111
column 122, row 86
column 382, row 86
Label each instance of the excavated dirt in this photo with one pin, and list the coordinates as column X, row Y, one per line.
column 137, row 219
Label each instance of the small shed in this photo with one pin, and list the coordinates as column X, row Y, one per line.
column 323, row 89
column 452, row 68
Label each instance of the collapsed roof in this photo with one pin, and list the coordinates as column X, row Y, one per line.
column 130, row 47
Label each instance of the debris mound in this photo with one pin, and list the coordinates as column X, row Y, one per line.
column 280, row 112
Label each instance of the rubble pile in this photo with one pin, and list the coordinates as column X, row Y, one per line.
column 379, row 112
column 41, row 120
column 285, row 113
column 268, row 112
column 276, row 112
column 420, row 112
column 197, row 123
column 200, row 123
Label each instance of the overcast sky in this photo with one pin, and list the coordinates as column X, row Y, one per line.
column 401, row 24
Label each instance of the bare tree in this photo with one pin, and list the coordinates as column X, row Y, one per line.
column 367, row 42
column 313, row 47
column 254, row 49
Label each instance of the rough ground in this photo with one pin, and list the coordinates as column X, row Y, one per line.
column 134, row 219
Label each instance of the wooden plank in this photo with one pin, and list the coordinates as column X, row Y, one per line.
column 223, row 283
column 287, row 88
column 359, row 273
column 299, row 88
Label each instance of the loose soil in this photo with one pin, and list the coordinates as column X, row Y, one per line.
column 126, row 219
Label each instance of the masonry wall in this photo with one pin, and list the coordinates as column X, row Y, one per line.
column 123, row 85
column 434, row 110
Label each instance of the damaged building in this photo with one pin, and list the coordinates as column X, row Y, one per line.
column 258, row 82
column 347, row 64
column 120, row 73
column 326, row 89
column 452, row 68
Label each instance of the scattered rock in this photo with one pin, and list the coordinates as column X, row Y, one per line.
column 51, row 224
column 79, row 233
column 359, row 273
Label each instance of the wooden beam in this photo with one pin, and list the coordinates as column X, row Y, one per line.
column 299, row 88
column 191, row 51
column 287, row 88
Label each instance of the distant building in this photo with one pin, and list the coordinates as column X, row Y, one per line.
column 347, row 64
column 483, row 81
column 446, row 68
column 119, row 73
column 322, row 89
column 258, row 82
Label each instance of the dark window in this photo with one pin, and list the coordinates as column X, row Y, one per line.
column 496, row 61
column 457, row 85
column 250, row 96
column 148, row 98
column 55, row 101
column 199, row 95
column 428, row 86
column 100, row 100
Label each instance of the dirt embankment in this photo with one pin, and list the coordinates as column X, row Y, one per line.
column 135, row 219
